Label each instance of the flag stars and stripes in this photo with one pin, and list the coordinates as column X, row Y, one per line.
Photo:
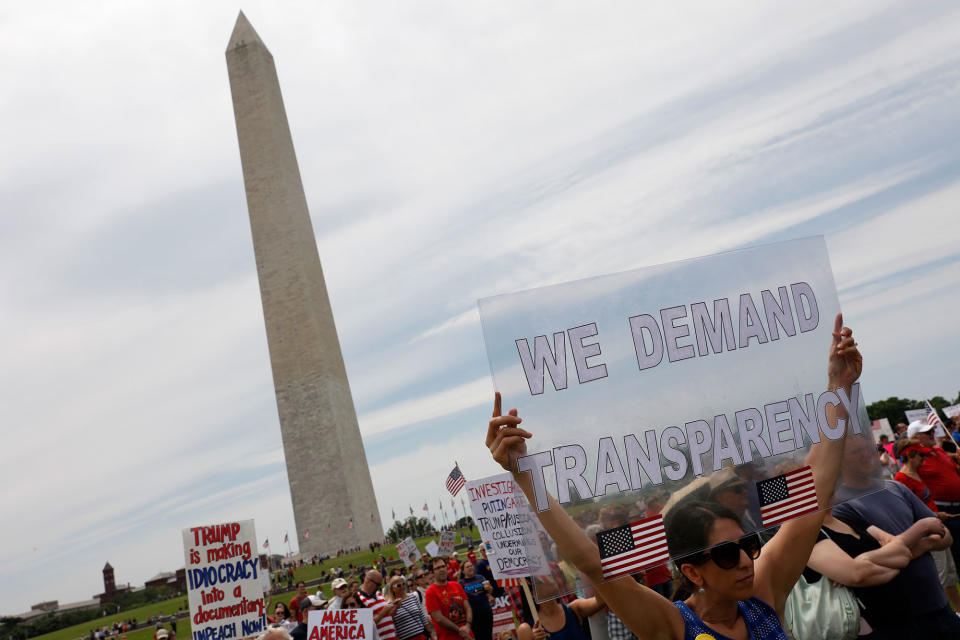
column 633, row 547
column 787, row 496
column 455, row 481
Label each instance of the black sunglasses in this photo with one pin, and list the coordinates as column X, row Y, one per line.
column 726, row 555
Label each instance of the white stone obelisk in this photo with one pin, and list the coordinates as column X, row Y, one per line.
column 330, row 482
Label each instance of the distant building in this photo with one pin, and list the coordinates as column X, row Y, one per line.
column 110, row 586
column 176, row 580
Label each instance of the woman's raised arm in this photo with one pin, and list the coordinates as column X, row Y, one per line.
column 645, row 612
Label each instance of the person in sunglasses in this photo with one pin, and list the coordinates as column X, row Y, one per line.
column 351, row 601
column 736, row 592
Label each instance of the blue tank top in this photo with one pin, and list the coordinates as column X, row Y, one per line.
column 571, row 627
column 763, row 623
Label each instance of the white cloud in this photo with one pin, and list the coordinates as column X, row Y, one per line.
column 448, row 153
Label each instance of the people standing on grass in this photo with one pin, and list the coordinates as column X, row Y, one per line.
column 478, row 590
column 409, row 616
column 448, row 605
column 372, row 598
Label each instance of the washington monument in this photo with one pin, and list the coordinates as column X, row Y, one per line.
column 330, row 483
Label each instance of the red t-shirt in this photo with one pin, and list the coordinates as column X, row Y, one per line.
column 452, row 567
column 939, row 472
column 472, row 557
column 295, row 609
column 919, row 489
column 451, row 601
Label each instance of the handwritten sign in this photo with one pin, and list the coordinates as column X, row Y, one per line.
column 507, row 523
column 447, row 541
column 433, row 549
column 340, row 624
column 224, row 584
column 409, row 552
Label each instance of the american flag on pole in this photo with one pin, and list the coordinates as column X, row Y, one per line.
column 425, row 508
column 633, row 547
column 787, row 496
column 933, row 418
column 455, row 481
column 350, row 526
column 286, row 538
column 306, row 534
column 266, row 543
column 411, row 509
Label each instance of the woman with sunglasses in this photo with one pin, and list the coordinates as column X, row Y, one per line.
column 351, row 601
column 736, row 592
column 409, row 617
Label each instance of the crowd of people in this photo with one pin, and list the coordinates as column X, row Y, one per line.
column 879, row 563
column 436, row 598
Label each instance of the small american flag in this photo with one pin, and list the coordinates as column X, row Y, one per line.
column 350, row 526
column 455, row 481
column 286, row 538
column 266, row 543
column 633, row 547
column 787, row 496
column 933, row 418
column 306, row 534
column 510, row 582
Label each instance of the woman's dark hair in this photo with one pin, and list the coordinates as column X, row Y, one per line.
column 286, row 609
column 688, row 527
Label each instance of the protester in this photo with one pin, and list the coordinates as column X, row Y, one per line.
column 447, row 604
column 282, row 617
column 868, row 560
column 409, row 617
column 351, row 601
column 914, row 453
column 372, row 598
column 339, row 588
column 478, row 589
column 305, row 605
column 924, row 611
column 560, row 621
column 297, row 599
column 732, row 588
column 940, row 473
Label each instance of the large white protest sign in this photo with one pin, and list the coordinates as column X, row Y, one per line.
column 508, row 527
column 224, row 587
column 952, row 410
column 433, row 549
column 701, row 379
column 408, row 551
column 340, row 624
column 882, row 427
column 448, row 539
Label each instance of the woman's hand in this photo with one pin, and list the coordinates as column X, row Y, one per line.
column 505, row 440
column 845, row 363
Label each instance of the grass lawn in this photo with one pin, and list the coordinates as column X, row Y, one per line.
column 168, row 607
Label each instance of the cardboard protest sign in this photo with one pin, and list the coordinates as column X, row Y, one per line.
column 882, row 427
column 503, row 619
column 433, row 549
column 340, row 624
column 703, row 379
column 952, row 410
column 224, row 584
column 447, row 542
column 408, row 551
column 508, row 527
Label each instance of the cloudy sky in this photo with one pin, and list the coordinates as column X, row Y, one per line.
column 449, row 152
